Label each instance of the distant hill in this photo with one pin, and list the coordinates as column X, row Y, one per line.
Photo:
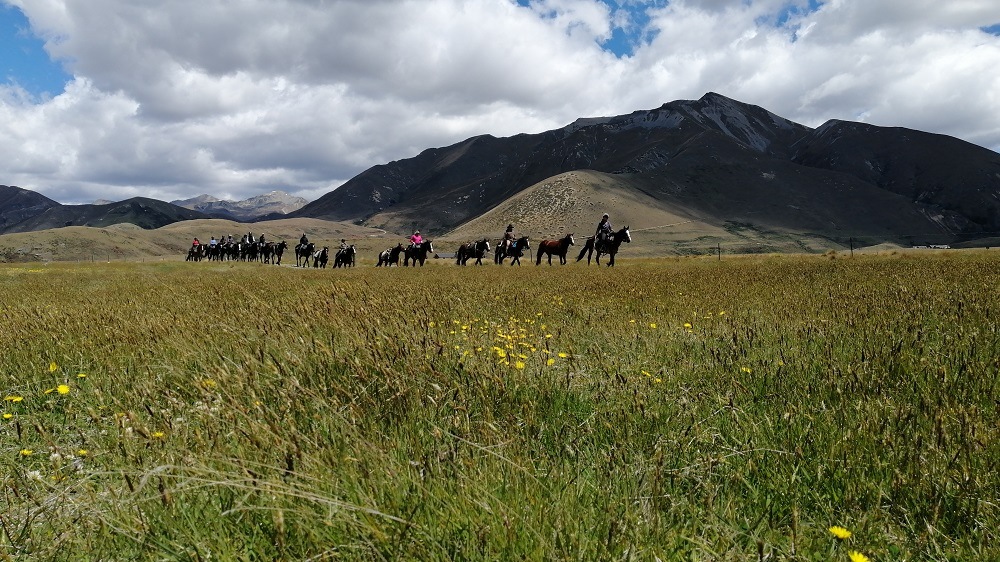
column 18, row 204
column 140, row 211
column 268, row 206
column 735, row 164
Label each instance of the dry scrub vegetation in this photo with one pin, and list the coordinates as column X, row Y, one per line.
column 792, row 408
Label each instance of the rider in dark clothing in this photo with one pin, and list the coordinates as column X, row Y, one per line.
column 508, row 237
column 304, row 240
column 604, row 230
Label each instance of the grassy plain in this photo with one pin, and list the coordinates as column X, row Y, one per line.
column 667, row 409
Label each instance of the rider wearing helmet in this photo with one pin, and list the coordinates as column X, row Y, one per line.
column 416, row 239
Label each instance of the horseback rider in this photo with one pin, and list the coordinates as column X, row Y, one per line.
column 196, row 243
column 303, row 240
column 415, row 239
column 508, row 239
column 604, row 230
column 343, row 244
column 250, row 239
column 212, row 242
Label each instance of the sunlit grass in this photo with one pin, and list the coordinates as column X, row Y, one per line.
column 792, row 408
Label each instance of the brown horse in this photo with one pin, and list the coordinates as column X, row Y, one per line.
column 557, row 247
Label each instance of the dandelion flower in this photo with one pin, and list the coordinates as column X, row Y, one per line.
column 13, row 398
column 27, row 452
column 858, row 557
column 83, row 452
column 687, row 325
column 563, row 355
column 7, row 415
column 749, row 370
column 81, row 375
column 652, row 325
column 158, row 435
column 63, row 389
column 53, row 367
column 519, row 365
column 49, row 390
column 840, row 532
column 722, row 313
column 550, row 362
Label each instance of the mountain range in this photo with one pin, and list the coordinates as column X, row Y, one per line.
column 268, row 206
column 725, row 165
column 716, row 159
column 22, row 210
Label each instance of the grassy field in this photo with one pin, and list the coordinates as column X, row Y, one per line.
column 672, row 409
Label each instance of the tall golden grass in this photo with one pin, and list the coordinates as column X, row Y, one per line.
column 665, row 409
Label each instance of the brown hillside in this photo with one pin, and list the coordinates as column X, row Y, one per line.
column 127, row 241
column 573, row 202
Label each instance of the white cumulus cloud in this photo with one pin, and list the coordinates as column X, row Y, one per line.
column 174, row 99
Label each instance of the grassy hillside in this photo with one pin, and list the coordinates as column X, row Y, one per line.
column 682, row 409
column 127, row 241
column 574, row 202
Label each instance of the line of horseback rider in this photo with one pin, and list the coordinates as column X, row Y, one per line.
column 603, row 234
column 226, row 247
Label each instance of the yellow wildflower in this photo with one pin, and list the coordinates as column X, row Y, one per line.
column 27, row 452
column 13, row 398
column 158, row 435
column 839, row 532
column 83, row 452
column 81, row 375
column 687, row 325
column 550, row 362
column 519, row 365
column 63, row 389
column 858, row 557
column 53, row 367
column 563, row 355
column 7, row 415
column 652, row 325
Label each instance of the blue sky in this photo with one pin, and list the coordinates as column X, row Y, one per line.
column 25, row 62
column 108, row 99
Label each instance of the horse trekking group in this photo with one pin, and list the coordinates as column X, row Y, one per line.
column 605, row 241
column 260, row 250
column 245, row 249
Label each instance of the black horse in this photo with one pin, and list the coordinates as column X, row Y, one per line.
column 303, row 253
column 514, row 252
column 345, row 257
column 609, row 247
column 417, row 253
column 321, row 257
column 278, row 249
column 196, row 253
column 557, row 247
column 390, row 256
column 472, row 250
